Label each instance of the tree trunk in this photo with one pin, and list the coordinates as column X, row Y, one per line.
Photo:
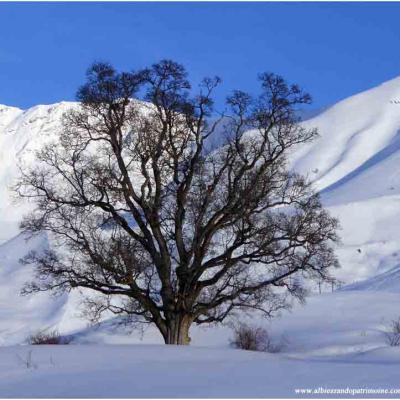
column 178, row 330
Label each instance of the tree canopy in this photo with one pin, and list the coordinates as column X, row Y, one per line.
column 163, row 227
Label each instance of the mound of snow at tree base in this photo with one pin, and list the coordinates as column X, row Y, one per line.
column 353, row 164
column 331, row 325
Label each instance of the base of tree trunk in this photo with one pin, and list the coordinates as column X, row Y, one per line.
column 178, row 331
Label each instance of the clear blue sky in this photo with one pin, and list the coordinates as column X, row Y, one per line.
column 332, row 50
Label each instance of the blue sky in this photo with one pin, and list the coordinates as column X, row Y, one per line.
column 332, row 50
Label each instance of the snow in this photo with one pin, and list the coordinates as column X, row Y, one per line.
column 21, row 133
column 180, row 372
column 335, row 340
column 347, row 349
column 352, row 132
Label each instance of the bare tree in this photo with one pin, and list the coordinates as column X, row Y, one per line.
column 163, row 228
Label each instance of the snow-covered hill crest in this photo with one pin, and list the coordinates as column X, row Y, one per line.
column 356, row 134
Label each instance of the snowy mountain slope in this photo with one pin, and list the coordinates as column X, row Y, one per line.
column 18, row 313
column 8, row 114
column 21, row 316
column 354, row 164
column 352, row 132
column 385, row 282
column 21, row 133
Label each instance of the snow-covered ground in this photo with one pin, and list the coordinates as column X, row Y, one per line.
column 182, row 372
column 335, row 341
